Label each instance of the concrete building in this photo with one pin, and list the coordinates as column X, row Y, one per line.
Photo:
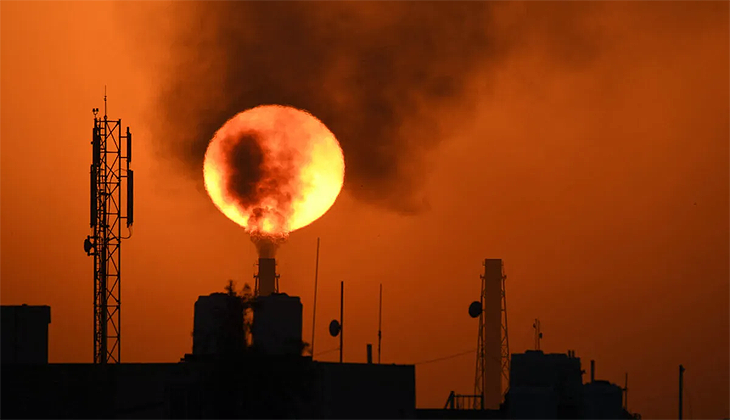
column 602, row 400
column 550, row 386
column 24, row 334
column 552, row 381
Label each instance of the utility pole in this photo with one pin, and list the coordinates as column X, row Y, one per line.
column 314, row 308
column 380, row 320
column 681, row 388
column 342, row 318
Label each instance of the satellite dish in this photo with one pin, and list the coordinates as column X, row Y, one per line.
column 475, row 309
column 88, row 245
column 335, row 328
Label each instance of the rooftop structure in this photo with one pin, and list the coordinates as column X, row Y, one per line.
column 24, row 334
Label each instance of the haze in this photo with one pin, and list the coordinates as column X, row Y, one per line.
column 588, row 149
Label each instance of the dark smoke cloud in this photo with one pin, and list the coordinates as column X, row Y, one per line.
column 246, row 169
column 367, row 70
column 250, row 179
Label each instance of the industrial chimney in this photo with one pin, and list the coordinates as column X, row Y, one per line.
column 267, row 281
column 492, row 333
column 277, row 317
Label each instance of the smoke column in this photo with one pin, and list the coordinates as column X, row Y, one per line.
column 375, row 73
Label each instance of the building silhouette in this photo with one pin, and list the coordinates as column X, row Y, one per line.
column 244, row 369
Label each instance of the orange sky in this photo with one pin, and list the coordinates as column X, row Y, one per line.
column 603, row 185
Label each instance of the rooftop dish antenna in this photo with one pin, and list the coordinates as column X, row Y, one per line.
column 538, row 333
column 335, row 326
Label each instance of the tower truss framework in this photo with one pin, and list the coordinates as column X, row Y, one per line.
column 109, row 171
column 483, row 380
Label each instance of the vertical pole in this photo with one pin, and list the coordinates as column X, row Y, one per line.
column 626, row 392
column 681, row 380
column 380, row 320
column 314, row 308
column 593, row 370
column 483, row 326
column 370, row 353
column 342, row 327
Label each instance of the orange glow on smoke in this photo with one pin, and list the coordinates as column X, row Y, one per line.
column 273, row 169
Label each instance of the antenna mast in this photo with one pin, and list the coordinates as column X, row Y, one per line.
column 314, row 307
column 626, row 392
column 492, row 373
column 109, row 167
column 681, row 390
column 342, row 313
column 380, row 320
column 538, row 333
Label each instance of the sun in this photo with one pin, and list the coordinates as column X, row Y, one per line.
column 273, row 169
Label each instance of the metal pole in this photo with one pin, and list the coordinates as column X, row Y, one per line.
column 681, row 380
column 380, row 320
column 314, row 307
column 626, row 392
column 593, row 370
column 342, row 302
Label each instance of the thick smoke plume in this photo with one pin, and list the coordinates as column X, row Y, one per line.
column 267, row 245
column 252, row 180
column 364, row 69
column 379, row 75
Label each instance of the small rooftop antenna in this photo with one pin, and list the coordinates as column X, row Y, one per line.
column 681, row 390
column 626, row 392
column 380, row 320
column 104, row 101
column 314, row 308
column 538, row 333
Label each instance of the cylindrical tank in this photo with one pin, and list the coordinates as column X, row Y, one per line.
column 218, row 325
column 277, row 324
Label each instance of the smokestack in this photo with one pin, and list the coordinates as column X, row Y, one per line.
column 593, row 370
column 370, row 354
column 266, row 280
column 492, row 331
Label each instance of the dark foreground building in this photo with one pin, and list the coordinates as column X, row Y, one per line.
column 223, row 378
column 24, row 333
column 226, row 377
column 252, row 387
column 550, row 386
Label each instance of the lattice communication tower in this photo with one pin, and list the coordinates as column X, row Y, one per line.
column 492, row 364
column 109, row 170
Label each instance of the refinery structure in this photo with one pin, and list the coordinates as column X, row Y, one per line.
column 248, row 357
